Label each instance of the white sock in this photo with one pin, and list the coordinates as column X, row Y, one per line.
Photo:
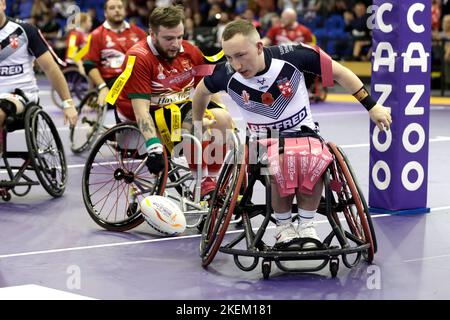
column 306, row 216
column 283, row 217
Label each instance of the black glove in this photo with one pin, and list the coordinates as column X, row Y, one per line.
column 155, row 162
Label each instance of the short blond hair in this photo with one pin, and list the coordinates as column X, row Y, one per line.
column 241, row 26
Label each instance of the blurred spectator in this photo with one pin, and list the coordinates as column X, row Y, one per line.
column 289, row 31
column 360, row 32
column 435, row 15
column 95, row 21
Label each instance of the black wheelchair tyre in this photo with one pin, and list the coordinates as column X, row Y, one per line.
column 47, row 157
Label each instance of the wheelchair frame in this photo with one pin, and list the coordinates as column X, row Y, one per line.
column 78, row 84
column 90, row 113
column 342, row 194
column 52, row 176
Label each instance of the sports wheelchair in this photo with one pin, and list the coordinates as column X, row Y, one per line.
column 90, row 125
column 116, row 179
column 78, row 83
column 45, row 155
column 352, row 234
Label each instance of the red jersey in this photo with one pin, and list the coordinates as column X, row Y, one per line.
column 107, row 47
column 157, row 79
column 74, row 42
column 282, row 35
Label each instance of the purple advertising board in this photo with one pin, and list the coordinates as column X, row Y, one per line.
column 401, row 62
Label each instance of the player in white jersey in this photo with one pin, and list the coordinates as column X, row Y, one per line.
column 269, row 87
column 20, row 45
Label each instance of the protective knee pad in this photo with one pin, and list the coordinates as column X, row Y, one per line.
column 8, row 107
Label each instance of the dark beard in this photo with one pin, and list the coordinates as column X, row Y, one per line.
column 115, row 24
column 162, row 53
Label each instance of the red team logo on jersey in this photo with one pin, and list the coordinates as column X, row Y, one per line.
column 267, row 98
column 285, row 88
column 14, row 42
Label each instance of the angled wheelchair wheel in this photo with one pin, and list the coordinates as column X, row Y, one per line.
column 363, row 201
column 78, row 86
column 351, row 202
column 90, row 123
column 223, row 202
column 116, row 179
column 46, row 151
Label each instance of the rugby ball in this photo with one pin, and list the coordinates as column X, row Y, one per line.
column 164, row 216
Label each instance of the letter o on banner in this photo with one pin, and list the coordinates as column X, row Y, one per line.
column 381, row 147
column 413, row 127
column 416, row 166
column 381, row 165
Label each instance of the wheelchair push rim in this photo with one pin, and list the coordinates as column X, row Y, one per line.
column 116, row 179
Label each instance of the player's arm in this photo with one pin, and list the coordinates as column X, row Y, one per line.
column 90, row 64
column 200, row 100
column 56, row 77
column 379, row 114
column 155, row 160
column 141, row 108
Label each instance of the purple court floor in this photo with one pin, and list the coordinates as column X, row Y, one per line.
column 54, row 244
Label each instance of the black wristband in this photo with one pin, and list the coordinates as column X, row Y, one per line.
column 364, row 98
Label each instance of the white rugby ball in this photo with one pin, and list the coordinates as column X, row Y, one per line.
column 163, row 215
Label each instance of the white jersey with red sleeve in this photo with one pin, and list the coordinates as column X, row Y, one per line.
column 158, row 79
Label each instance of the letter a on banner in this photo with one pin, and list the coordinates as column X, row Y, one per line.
column 401, row 65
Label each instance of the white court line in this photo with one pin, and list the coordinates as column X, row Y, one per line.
column 108, row 245
column 427, row 258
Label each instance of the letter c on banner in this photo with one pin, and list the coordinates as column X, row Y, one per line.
column 386, row 28
column 417, row 28
column 413, row 165
column 381, row 165
column 381, row 147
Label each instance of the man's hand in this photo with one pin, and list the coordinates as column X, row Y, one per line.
column 381, row 116
column 155, row 160
column 70, row 113
column 102, row 96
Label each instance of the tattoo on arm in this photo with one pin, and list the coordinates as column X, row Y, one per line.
column 146, row 126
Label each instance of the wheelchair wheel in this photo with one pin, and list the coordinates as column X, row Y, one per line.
column 222, row 205
column 349, row 196
column 363, row 201
column 90, row 123
column 46, row 151
column 116, row 179
column 78, row 86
